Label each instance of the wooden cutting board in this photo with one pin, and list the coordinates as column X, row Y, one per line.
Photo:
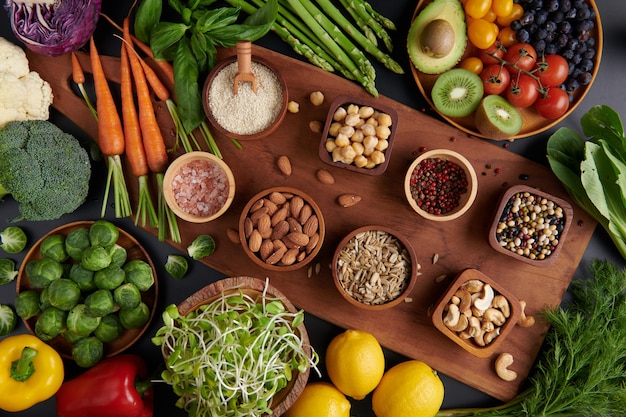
column 459, row 244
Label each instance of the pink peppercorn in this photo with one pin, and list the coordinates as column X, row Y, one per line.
column 437, row 185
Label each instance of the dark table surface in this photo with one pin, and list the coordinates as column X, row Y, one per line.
column 608, row 88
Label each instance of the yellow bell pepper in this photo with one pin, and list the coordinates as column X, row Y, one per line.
column 30, row 372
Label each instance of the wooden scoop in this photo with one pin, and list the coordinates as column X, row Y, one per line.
column 244, row 65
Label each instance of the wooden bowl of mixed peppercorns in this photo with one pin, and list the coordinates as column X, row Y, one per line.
column 441, row 185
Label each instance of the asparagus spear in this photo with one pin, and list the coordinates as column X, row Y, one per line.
column 362, row 25
column 336, row 15
column 341, row 39
column 384, row 21
column 324, row 37
column 376, row 27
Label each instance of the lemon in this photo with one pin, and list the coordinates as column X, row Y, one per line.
column 320, row 399
column 410, row 388
column 355, row 363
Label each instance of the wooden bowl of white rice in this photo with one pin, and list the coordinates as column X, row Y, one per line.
column 245, row 115
column 198, row 187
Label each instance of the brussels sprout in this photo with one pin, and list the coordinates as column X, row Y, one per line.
column 139, row 272
column 176, row 266
column 88, row 351
column 27, row 304
column 109, row 328
column 53, row 247
column 41, row 272
column 7, row 320
column 44, row 302
column 51, row 323
column 83, row 277
column 133, row 318
column 80, row 321
column 117, row 253
column 127, row 295
column 8, row 273
column 63, row 293
column 95, row 258
column 109, row 278
column 76, row 242
column 13, row 239
column 202, row 246
column 103, row 233
column 72, row 337
column 99, row 303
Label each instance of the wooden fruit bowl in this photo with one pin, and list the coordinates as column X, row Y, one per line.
column 533, row 122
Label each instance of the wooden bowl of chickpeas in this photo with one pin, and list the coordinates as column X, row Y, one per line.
column 358, row 135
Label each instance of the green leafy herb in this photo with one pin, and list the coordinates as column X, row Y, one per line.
column 192, row 42
column 594, row 171
column 248, row 349
column 581, row 369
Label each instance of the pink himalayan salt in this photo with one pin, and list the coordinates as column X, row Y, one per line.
column 200, row 188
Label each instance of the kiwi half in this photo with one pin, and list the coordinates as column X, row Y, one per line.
column 457, row 92
column 497, row 119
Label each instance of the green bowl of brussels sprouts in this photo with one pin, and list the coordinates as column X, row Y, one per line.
column 88, row 289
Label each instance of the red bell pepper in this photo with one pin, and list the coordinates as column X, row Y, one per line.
column 112, row 388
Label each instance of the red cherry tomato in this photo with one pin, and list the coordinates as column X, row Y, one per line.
column 521, row 55
column 553, row 103
column 490, row 55
column 523, row 91
column 552, row 70
column 495, row 78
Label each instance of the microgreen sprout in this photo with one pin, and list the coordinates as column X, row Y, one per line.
column 229, row 357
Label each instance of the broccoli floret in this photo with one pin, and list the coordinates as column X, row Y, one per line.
column 45, row 169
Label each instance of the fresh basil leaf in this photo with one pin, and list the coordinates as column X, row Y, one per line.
column 177, row 5
column 186, row 85
column 212, row 19
column 164, row 35
column 229, row 35
column 263, row 15
column 146, row 18
column 201, row 50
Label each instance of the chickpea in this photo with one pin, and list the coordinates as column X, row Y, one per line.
column 358, row 147
column 370, row 142
column 357, row 136
column 293, row 107
column 372, row 121
column 352, row 119
column 365, row 112
column 382, row 144
column 370, row 164
column 377, row 157
column 336, row 154
column 353, row 109
column 342, row 140
column 339, row 114
column 315, row 126
column 348, row 153
column 360, row 161
column 317, row 98
column 333, row 129
column 330, row 144
column 384, row 120
column 346, row 130
column 368, row 130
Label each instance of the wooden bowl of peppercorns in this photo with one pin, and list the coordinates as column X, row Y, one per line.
column 441, row 185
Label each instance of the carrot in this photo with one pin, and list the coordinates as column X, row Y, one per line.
column 78, row 76
column 134, row 144
column 110, row 137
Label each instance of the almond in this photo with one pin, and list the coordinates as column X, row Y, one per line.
column 298, row 239
column 280, row 215
column 271, row 206
column 313, row 240
column 248, row 227
column 348, row 200
column 266, row 249
column 305, row 213
column 284, row 164
column 277, row 198
column 264, row 226
column 325, row 177
column 233, row 235
column 289, row 257
column 310, row 226
column 295, row 205
column 294, row 226
column 256, row 215
column 254, row 242
column 280, row 230
column 276, row 256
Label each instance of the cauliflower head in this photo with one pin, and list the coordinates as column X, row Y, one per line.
column 24, row 94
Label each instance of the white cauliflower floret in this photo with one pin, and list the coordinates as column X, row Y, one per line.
column 24, row 95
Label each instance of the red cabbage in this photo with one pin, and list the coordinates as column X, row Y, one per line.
column 53, row 27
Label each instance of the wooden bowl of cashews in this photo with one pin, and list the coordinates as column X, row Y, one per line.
column 476, row 313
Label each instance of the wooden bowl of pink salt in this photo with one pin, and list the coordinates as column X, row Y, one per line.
column 198, row 187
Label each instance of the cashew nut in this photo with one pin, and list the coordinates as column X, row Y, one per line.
column 502, row 303
column 465, row 300
column 488, row 337
column 451, row 319
column 525, row 321
column 474, row 327
column 502, row 364
column 495, row 316
column 483, row 302
column 461, row 325
column 473, row 285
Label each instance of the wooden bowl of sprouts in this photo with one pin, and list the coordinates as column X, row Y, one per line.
column 254, row 357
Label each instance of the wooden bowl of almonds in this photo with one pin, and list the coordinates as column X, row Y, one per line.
column 281, row 229
column 476, row 313
column 374, row 267
column 358, row 135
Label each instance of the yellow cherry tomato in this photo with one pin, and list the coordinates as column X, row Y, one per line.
column 490, row 16
column 482, row 33
column 472, row 64
column 507, row 36
column 502, row 7
column 517, row 11
column 477, row 8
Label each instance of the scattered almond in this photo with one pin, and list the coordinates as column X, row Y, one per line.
column 233, row 235
column 284, row 165
column 348, row 200
column 325, row 177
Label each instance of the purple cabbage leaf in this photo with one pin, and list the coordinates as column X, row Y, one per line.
column 53, row 27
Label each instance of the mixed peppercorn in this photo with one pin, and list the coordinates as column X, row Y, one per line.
column 437, row 185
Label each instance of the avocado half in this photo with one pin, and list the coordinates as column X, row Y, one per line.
column 450, row 11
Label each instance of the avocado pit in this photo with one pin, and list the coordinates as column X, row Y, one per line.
column 438, row 38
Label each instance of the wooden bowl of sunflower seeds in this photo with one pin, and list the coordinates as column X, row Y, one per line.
column 374, row 267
